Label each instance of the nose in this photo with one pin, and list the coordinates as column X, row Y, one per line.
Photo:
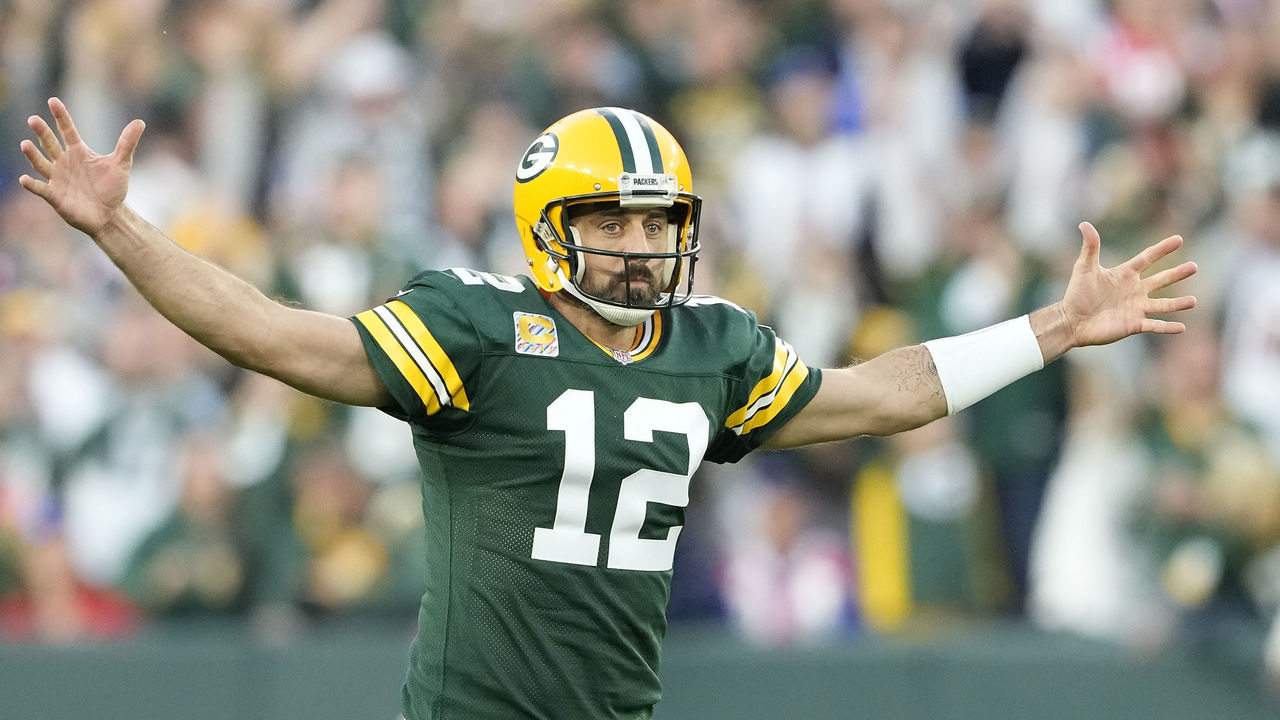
column 634, row 239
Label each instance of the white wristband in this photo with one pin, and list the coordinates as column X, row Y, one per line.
column 976, row 364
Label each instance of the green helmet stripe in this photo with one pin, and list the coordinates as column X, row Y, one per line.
column 651, row 140
column 620, row 134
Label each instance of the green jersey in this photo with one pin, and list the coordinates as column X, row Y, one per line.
column 555, row 474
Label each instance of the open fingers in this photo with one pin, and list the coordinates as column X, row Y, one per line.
column 66, row 127
column 1142, row 261
column 34, row 186
column 128, row 142
column 1091, row 246
column 1162, row 327
column 38, row 161
column 1165, row 278
column 1161, row 306
column 44, row 134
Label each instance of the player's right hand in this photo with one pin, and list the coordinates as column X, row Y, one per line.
column 85, row 188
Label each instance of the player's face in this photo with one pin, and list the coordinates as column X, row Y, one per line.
column 632, row 231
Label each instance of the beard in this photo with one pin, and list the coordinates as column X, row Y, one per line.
column 618, row 287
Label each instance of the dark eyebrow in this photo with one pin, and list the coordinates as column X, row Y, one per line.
column 619, row 212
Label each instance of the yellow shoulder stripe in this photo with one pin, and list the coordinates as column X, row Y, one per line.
column 783, row 398
column 457, row 394
column 763, row 387
column 772, row 393
column 416, row 354
column 405, row 364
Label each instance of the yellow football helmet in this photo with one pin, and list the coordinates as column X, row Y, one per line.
column 599, row 155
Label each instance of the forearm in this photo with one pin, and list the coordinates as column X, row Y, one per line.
column 217, row 309
column 890, row 393
column 912, row 386
column 993, row 362
column 902, row 391
column 314, row 352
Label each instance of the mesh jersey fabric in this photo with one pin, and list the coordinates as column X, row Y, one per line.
column 554, row 480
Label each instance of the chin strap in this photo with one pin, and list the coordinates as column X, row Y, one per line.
column 626, row 317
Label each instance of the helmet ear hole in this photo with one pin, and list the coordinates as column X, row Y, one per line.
column 553, row 273
column 542, row 231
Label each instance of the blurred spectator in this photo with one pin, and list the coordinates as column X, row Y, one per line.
column 991, row 55
column 125, row 476
column 787, row 581
column 49, row 602
column 1044, row 135
column 362, row 543
column 192, row 563
column 342, row 259
column 900, row 62
column 575, row 61
column 1016, row 434
column 361, row 114
column 718, row 108
column 797, row 197
column 1215, row 495
column 1088, row 573
column 474, row 225
column 1251, row 304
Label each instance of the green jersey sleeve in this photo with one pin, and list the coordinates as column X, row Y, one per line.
column 424, row 348
column 769, row 387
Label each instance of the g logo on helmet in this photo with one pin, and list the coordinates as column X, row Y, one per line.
column 538, row 157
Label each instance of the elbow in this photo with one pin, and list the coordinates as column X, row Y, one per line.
column 245, row 355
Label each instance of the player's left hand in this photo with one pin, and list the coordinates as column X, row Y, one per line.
column 1103, row 304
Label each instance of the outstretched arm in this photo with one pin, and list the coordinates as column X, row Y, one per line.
column 904, row 388
column 317, row 353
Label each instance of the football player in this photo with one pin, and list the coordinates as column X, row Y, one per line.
column 559, row 416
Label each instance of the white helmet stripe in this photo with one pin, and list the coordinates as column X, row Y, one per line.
column 633, row 135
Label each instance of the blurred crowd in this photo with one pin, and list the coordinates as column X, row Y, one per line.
column 876, row 173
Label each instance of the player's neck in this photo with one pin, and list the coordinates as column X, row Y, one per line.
column 589, row 323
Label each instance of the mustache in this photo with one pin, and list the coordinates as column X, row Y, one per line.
column 634, row 271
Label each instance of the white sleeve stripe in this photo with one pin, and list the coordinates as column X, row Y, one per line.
column 767, row 399
column 419, row 358
column 639, row 148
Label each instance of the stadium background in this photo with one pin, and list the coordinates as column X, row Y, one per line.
column 1098, row 540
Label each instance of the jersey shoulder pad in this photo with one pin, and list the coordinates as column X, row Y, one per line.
column 730, row 330
column 454, row 280
column 427, row 341
column 486, row 300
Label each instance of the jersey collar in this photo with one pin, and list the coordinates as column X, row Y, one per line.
column 648, row 334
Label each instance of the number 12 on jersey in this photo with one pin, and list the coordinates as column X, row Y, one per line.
column 567, row 540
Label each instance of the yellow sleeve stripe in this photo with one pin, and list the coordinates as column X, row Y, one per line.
column 780, row 401
column 764, row 386
column 440, row 363
column 772, row 393
column 405, row 364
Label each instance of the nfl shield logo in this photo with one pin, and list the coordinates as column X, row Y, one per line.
column 536, row 335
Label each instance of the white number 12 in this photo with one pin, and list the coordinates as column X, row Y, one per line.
column 567, row 540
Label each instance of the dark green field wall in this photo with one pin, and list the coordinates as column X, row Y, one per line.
column 355, row 672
